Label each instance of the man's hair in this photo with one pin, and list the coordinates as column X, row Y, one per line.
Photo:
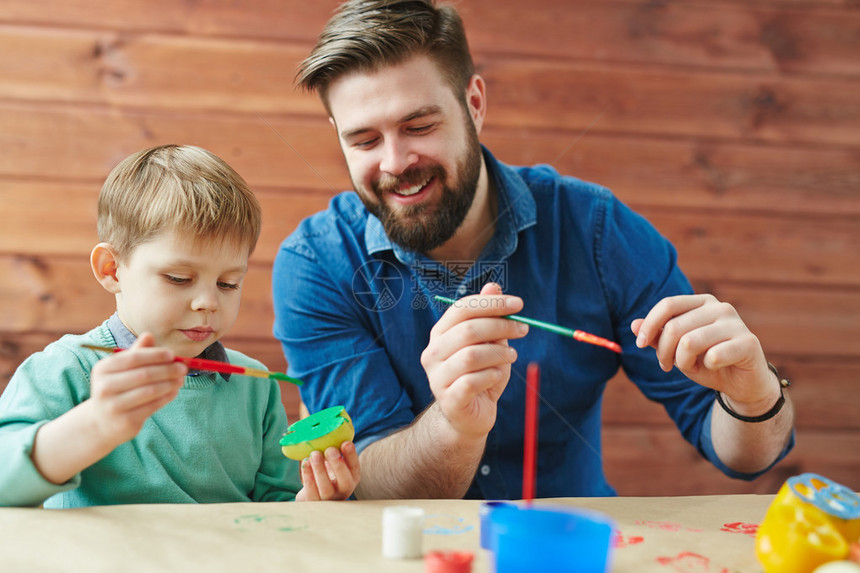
column 367, row 35
column 178, row 187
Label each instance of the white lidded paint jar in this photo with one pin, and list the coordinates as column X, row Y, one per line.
column 402, row 532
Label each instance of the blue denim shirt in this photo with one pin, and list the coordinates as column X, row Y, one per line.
column 353, row 312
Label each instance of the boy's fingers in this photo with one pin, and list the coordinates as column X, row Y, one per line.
column 344, row 477
column 126, row 380
column 145, row 398
column 308, row 482
column 350, row 456
column 145, row 340
column 139, row 358
column 323, row 482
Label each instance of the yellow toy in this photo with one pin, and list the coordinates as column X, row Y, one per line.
column 329, row 427
column 812, row 521
column 838, row 567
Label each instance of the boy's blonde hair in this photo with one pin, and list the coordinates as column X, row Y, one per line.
column 178, row 187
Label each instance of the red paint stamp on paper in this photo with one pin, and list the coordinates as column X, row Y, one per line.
column 689, row 562
column 740, row 527
column 667, row 526
column 619, row 540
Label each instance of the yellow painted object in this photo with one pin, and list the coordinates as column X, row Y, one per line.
column 812, row 521
column 329, row 427
column 839, row 567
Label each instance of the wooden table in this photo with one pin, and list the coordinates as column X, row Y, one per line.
column 699, row 534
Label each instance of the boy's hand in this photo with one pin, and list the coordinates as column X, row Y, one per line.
column 330, row 476
column 129, row 386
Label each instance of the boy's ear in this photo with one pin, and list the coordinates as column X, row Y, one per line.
column 104, row 263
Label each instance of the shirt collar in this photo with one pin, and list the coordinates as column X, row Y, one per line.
column 375, row 237
column 516, row 211
column 125, row 338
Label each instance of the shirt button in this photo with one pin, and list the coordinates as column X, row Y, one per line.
column 485, row 470
column 461, row 290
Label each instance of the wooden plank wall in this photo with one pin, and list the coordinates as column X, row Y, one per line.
column 734, row 125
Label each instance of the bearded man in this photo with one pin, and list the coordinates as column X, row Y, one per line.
column 436, row 392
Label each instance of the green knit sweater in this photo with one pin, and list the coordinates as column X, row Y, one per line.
column 217, row 441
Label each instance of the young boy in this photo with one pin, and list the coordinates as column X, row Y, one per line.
column 80, row 428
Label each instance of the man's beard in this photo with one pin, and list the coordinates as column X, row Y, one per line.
column 422, row 228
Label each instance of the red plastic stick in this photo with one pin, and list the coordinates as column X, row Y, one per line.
column 531, row 431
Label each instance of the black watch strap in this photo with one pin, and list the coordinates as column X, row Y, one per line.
column 783, row 383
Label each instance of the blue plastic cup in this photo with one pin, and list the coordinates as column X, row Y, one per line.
column 554, row 539
column 486, row 524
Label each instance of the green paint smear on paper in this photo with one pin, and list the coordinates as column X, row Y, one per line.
column 255, row 522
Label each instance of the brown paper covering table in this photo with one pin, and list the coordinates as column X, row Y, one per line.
column 661, row 534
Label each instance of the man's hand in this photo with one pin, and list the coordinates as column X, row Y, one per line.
column 711, row 345
column 468, row 360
